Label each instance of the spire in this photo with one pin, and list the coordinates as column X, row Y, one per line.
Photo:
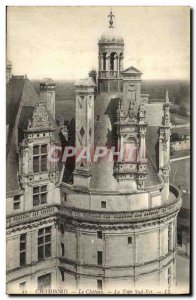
column 167, row 96
column 111, row 19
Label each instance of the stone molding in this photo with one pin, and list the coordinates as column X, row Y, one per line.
column 90, row 218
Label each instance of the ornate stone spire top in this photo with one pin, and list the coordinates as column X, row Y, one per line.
column 141, row 113
column 111, row 16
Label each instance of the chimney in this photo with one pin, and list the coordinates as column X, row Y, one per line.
column 47, row 95
column 8, row 71
column 93, row 75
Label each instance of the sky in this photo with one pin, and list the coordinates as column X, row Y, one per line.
column 61, row 42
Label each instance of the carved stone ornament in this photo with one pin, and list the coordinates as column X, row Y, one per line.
column 165, row 146
column 30, row 178
column 41, row 119
column 131, row 118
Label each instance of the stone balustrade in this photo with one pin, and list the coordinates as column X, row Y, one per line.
column 97, row 216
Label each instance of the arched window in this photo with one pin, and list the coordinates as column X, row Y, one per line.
column 113, row 61
column 104, row 61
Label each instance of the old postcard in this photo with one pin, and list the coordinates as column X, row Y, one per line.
column 98, row 150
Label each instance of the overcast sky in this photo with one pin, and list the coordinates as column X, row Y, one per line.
column 61, row 42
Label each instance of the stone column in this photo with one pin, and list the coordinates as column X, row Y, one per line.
column 106, row 237
column 135, row 259
column 108, row 64
column 159, row 253
column 100, row 62
column 29, row 247
column 142, row 150
column 173, row 234
column 77, row 282
column 160, row 154
column 118, row 65
column 55, row 240
column 121, row 63
column 78, row 247
column 121, row 146
column 136, row 236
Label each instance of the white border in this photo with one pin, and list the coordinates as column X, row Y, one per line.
column 3, row 4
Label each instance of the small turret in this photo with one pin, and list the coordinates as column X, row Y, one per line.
column 111, row 56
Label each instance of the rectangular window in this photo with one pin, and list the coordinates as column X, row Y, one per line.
column 130, row 240
column 23, row 249
column 65, row 197
column 22, row 286
column 39, row 195
column 39, row 158
column 62, row 249
column 99, row 257
column 44, row 243
column 62, row 276
column 99, row 284
column 99, row 234
column 16, row 203
column 44, row 281
column 103, row 204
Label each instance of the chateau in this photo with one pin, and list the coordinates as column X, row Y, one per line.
column 114, row 225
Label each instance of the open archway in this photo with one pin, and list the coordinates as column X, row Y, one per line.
column 113, row 61
column 104, row 61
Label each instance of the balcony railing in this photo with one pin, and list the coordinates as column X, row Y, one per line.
column 97, row 216
column 109, row 74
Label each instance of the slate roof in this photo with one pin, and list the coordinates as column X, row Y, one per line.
column 152, row 145
column 111, row 35
column 21, row 100
column 152, row 149
column 85, row 82
column 181, row 131
column 102, row 171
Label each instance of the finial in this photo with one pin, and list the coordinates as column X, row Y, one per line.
column 111, row 20
column 167, row 96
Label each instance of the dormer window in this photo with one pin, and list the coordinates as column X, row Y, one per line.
column 39, row 158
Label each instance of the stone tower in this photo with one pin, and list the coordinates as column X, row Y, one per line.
column 122, row 229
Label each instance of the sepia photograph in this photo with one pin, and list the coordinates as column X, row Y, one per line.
column 98, row 150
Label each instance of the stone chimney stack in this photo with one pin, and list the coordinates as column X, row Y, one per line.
column 8, row 71
column 93, row 75
column 47, row 94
